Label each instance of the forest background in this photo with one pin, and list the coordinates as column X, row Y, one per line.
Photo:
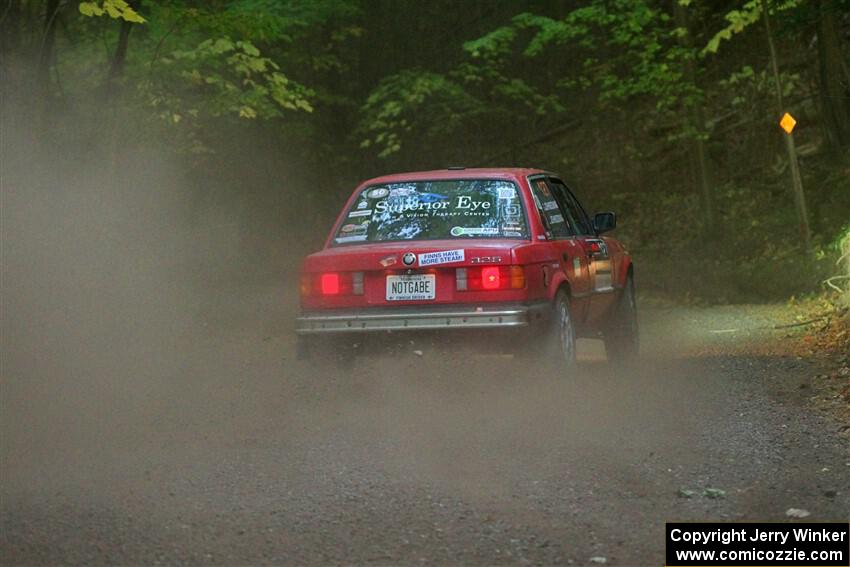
column 260, row 116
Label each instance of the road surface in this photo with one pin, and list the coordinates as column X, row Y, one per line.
column 211, row 444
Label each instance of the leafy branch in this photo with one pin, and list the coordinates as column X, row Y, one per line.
column 115, row 9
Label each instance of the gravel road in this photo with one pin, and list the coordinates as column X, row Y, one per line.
column 211, row 444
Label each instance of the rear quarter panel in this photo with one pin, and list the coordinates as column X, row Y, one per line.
column 621, row 260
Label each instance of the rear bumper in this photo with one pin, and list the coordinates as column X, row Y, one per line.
column 418, row 318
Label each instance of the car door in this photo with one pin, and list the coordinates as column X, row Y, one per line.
column 562, row 234
column 598, row 253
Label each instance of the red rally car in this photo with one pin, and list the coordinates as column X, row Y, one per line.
column 470, row 252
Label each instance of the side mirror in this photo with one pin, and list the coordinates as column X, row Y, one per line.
column 604, row 222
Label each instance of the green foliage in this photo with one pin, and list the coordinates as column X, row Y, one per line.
column 741, row 19
column 751, row 92
column 199, row 63
column 738, row 20
column 115, row 9
column 394, row 110
column 425, row 108
column 495, row 45
column 232, row 77
column 259, row 21
column 841, row 281
column 625, row 49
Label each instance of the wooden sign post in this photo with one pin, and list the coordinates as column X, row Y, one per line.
column 787, row 123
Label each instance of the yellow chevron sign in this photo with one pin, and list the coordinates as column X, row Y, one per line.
column 787, row 123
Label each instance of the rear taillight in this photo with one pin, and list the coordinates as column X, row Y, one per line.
column 357, row 283
column 489, row 278
column 329, row 284
column 332, row 283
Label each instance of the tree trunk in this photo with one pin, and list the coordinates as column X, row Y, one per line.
column 834, row 78
column 48, row 40
column 117, row 144
column 696, row 118
column 10, row 28
column 116, row 67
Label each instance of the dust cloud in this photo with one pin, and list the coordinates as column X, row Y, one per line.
column 148, row 372
column 116, row 287
column 103, row 261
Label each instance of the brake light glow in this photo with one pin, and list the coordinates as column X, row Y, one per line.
column 489, row 278
column 330, row 284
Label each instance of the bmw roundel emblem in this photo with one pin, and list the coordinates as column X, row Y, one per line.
column 408, row 259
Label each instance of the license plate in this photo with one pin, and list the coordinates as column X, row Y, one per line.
column 411, row 288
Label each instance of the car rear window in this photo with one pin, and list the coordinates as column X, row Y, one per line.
column 429, row 210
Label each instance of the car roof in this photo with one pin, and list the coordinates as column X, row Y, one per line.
column 456, row 173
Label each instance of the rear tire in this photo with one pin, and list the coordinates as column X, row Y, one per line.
column 621, row 335
column 551, row 345
column 564, row 336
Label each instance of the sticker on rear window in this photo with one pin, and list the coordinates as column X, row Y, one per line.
column 431, row 197
column 550, row 206
column 429, row 210
column 442, row 257
column 402, row 192
column 474, row 231
column 355, row 238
